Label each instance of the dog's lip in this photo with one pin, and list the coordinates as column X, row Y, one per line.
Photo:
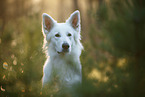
column 63, row 52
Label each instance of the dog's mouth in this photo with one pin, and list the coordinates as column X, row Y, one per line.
column 63, row 52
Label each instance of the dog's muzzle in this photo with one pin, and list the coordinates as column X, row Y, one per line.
column 65, row 48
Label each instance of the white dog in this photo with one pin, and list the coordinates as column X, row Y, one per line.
column 63, row 48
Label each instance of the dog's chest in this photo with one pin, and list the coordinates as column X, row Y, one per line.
column 64, row 70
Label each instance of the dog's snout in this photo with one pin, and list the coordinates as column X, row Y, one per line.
column 65, row 45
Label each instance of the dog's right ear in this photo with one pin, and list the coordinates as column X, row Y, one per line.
column 47, row 23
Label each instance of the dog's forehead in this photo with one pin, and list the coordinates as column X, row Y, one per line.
column 62, row 27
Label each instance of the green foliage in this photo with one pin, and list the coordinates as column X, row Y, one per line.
column 118, row 45
column 21, row 48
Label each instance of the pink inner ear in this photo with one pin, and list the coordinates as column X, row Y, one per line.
column 75, row 21
column 48, row 23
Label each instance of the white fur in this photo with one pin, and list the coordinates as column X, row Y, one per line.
column 65, row 66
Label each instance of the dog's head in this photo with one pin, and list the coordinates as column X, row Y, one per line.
column 62, row 36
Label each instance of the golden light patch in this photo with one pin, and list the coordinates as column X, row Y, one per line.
column 15, row 62
column 121, row 62
column 95, row 74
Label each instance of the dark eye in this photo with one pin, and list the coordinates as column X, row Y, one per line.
column 69, row 34
column 57, row 35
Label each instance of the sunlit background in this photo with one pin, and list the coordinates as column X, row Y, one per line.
column 113, row 35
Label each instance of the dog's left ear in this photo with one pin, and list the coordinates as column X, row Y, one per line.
column 74, row 20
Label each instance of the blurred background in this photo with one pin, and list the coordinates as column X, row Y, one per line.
column 113, row 35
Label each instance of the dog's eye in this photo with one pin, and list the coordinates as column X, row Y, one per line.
column 69, row 34
column 57, row 35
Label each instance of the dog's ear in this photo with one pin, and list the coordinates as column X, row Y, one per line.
column 47, row 23
column 74, row 20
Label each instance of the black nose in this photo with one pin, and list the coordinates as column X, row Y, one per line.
column 65, row 45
